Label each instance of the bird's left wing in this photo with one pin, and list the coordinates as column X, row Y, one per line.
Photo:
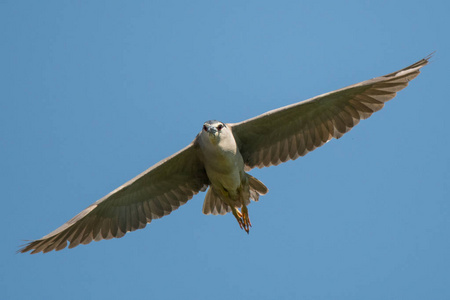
column 294, row 130
column 153, row 194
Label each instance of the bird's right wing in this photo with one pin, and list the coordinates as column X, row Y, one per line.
column 150, row 195
column 294, row 130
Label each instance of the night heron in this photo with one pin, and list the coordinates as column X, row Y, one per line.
column 219, row 158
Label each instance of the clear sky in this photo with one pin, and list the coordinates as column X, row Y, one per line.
column 94, row 92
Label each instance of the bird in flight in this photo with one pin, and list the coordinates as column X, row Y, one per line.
column 218, row 159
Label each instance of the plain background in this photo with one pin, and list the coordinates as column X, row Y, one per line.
column 94, row 92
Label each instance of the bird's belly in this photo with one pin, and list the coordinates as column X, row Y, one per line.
column 226, row 172
column 229, row 181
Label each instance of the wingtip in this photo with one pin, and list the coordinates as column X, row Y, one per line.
column 24, row 248
column 424, row 61
column 430, row 55
column 428, row 58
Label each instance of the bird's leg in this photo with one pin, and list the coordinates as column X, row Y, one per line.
column 245, row 219
column 237, row 214
column 241, row 217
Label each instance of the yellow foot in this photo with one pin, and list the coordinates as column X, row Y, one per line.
column 237, row 214
column 242, row 218
column 245, row 219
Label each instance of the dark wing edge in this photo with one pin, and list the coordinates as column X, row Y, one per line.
column 153, row 194
column 292, row 131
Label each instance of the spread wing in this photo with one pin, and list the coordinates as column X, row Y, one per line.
column 294, row 130
column 153, row 194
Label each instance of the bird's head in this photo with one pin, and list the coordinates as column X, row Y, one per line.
column 214, row 130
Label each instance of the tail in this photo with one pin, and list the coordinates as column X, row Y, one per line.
column 257, row 188
column 213, row 204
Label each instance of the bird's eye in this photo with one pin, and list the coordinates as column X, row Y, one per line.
column 204, row 128
column 220, row 127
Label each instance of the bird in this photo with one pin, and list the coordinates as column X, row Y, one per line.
column 218, row 159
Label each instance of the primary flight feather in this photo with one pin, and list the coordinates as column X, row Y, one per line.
column 219, row 157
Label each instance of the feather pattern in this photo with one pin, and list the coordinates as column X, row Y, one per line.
column 269, row 139
column 153, row 194
column 289, row 132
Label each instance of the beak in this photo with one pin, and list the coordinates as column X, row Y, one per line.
column 212, row 130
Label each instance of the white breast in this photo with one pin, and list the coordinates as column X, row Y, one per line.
column 223, row 161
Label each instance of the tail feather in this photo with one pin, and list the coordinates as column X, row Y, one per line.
column 253, row 195
column 214, row 205
column 257, row 186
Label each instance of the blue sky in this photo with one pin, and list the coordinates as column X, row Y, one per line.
column 94, row 92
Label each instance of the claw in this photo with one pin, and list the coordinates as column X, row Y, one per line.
column 237, row 214
column 246, row 219
column 242, row 218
